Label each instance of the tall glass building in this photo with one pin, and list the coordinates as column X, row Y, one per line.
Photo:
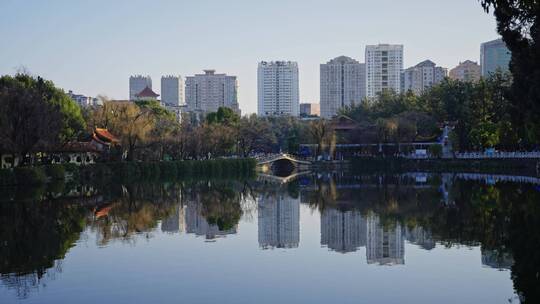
column 494, row 55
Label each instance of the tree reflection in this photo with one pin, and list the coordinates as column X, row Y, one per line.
column 504, row 219
column 136, row 211
column 213, row 208
column 38, row 227
column 35, row 236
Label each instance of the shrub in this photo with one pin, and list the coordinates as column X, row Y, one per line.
column 149, row 170
column 7, row 177
column 168, row 170
column 124, row 170
column 71, row 168
column 30, row 175
column 55, row 172
column 436, row 151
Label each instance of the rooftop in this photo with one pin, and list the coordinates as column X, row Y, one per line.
column 147, row 92
column 105, row 135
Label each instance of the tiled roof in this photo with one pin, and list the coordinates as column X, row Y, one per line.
column 103, row 211
column 147, row 92
column 105, row 135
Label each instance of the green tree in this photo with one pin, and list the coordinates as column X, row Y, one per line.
column 519, row 25
column 255, row 134
column 130, row 122
column 35, row 114
column 223, row 116
column 322, row 132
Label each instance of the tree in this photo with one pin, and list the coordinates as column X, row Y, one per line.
column 34, row 114
column 130, row 122
column 255, row 135
column 405, row 132
column 321, row 132
column 223, row 116
column 165, row 125
column 217, row 139
column 519, row 25
column 386, row 130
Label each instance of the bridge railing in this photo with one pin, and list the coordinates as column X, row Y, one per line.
column 495, row 155
column 273, row 157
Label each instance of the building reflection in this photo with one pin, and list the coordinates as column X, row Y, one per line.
column 385, row 242
column 279, row 221
column 497, row 259
column 421, row 237
column 342, row 231
column 197, row 224
column 176, row 222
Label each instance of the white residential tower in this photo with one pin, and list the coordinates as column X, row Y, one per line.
column 172, row 90
column 384, row 64
column 422, row 76
column 209, row 91
column 342, row 84
column 278, row 92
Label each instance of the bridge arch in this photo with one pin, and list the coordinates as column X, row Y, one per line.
column 269, row 162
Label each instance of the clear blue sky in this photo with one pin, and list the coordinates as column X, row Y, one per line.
column 92, row 47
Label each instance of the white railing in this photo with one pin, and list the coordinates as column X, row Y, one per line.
column 494, row 178
column 495, row 155
column 486, row 178
column 482, row 155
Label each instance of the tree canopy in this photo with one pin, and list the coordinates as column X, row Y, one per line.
column 519, row 25
column 34, row 113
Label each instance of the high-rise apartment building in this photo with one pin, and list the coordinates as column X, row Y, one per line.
column 342, row 84
column 209, row 91
column 384, row 64
column 172, row 90
column 422, row 76
column 278, row 90
column 494, row 56
column 137, row 84
column 466, row 71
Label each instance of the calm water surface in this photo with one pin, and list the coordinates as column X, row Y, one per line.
column 323, row 238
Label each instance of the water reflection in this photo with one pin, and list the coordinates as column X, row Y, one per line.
column 279, row 220
column 176, row 222
column 343, row 231
column 376, row 214
column 197, row 224
column 385, row 242
column 421, row 237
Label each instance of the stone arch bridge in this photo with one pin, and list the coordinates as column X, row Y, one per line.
column 272, row 162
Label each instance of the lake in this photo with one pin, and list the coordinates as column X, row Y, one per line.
column 320, row 238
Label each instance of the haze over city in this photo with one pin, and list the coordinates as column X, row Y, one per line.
column 93, row 48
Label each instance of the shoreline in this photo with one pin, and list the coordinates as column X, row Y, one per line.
column 529, row 167
column 128, row 171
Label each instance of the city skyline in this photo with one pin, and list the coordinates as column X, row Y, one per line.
column 80, row 57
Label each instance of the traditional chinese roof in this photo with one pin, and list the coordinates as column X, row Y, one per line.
column 104, row 136
column 147, row 93
column 103, row 211
column 343, row 122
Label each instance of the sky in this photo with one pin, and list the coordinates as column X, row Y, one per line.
column 92, row 47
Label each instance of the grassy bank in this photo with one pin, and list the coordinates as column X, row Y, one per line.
column 130, row 171
column 500, row 166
